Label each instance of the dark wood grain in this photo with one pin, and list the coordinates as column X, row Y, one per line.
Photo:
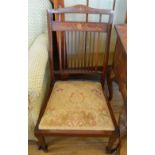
column 118, row 73
column 122, row 34
column 82, row 26
column 119, row 67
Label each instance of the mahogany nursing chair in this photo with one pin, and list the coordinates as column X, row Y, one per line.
column 76, row 104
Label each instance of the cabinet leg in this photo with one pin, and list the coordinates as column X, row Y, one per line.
column 111, row 144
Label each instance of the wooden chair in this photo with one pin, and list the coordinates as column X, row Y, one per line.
column 76, row 104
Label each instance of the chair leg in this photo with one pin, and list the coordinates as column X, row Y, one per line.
column 41, row 142
column 112, row 140
column 110, row 77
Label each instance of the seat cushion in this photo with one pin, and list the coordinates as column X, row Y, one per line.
column 77, row 105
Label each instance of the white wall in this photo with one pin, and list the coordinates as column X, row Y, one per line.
column 120, row 9
column 37, row 22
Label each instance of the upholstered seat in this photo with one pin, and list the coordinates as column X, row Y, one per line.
column 77, row 105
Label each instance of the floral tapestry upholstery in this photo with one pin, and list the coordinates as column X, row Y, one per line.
column 77, row 105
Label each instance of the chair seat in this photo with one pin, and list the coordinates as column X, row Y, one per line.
column 77, row 105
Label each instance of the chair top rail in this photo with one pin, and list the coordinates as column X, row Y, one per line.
column 80, row 9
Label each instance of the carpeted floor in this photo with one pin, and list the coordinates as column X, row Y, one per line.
column 80, row 146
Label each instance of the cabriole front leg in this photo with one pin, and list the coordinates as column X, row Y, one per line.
column 41, row 142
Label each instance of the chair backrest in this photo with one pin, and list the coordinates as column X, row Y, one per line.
column 80, row 51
